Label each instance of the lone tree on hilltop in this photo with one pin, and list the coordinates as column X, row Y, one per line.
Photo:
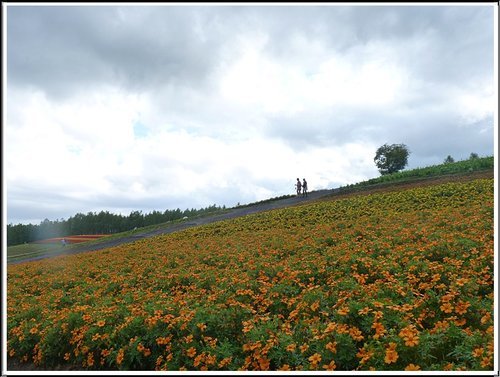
column 449, row 160
column 391, row 158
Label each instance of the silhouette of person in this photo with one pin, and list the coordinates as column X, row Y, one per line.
column 298, row 186
column 304, row 187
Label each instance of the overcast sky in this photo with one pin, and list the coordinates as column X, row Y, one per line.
column 124, row 108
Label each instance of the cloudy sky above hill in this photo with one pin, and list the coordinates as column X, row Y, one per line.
column 125, row 108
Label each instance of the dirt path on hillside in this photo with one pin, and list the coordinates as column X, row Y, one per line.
column 262, row 207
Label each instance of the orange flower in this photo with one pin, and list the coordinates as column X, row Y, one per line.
column 461, row 307
column 478, row 352
column 210, row 341
column 364, row 355
column 485, row 318
column 285, row 367
column 315, row 359
column 485, row 362
column 365, row 310
column 379, row 330
column 225, row 361
column 315, row 306
column 406, row 307
column 447, row 307
column 191, row 352
column 264, row 363
column 390, row 354
column 119, row 356
column 449, row 366
column 330, row 366
column 201, row 326
column 361, row 278
column 90, row 359
column 101, row 323
column 412, row 367
column 247, row 326
column 291, row 347
column 440, row 325
column 304, row 348
column 161, row 341
column 198, row 359
column 343, row 311
column 447, row 297
column 330, row 327
column 356, row 334
column 210, row 359
column 332, row 346
column 410, row 335
column 158, row 362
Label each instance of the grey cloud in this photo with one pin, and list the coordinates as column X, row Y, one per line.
column 324, row 128
column 61, row 49
column 433, row 144
column 430, row 134
column 26, row 201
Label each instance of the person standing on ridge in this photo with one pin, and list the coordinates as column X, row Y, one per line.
column 298, row 186
column 304, row 187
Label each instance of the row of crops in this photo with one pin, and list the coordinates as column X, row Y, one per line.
column 394, row 281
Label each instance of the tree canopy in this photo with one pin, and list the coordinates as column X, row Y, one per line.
column 391, row 158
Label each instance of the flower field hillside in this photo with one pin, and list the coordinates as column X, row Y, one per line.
column 388, row 281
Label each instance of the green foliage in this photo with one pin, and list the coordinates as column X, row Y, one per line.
column 391, row 158
column 459, row 167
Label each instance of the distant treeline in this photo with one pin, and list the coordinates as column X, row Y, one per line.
column 97, row 223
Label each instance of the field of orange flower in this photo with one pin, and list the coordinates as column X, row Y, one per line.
column 389, row 281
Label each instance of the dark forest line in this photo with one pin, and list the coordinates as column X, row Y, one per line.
column 103, row 222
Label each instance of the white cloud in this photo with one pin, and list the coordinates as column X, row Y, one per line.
column 188, row 107
column 366, row 75
column 71, row 145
